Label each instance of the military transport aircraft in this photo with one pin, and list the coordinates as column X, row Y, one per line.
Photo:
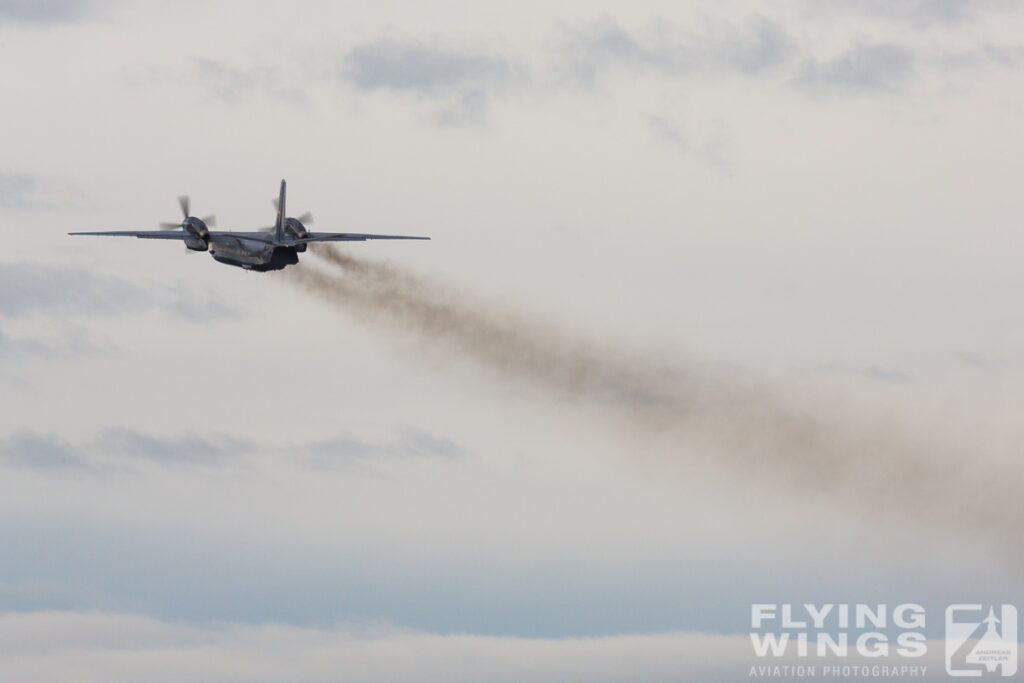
column 270, row 249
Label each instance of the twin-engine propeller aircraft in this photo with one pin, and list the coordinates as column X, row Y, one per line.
column 270, row 249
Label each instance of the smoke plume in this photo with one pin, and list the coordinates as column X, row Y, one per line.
column 872, row 464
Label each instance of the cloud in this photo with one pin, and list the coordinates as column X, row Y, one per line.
column 458, row 83
column 413, row 67
column 875, row 373
column 713, row 153
column 14, row 347
column 24, row 448
column 757, row 47
column 916, row 12
column 750, row 47
column 237, row 82
column 27, row 449
column 189, row 449
column 117, row 444
column 197, row 305
column 234, row 84
column 43, row 646
column 71, row 344
column 979, row 362
column 227, row 82
column 47, row 11
column 17, row 190
column 753, row 46
column 862, row 68
column 350, row 451
column 24, row 192
column 880, row 374
column 988, row 54
column 669, row 133
column 31, row 288
column 414, row 442
column 67, row 296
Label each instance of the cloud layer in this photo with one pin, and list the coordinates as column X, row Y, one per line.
column 460, row 83
column 38, row 289
column 103, row 647
column 48, row 11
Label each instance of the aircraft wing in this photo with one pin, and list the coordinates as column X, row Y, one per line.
column 143, row 234
column 253, row 236
column 350, row 237
column 181, row 235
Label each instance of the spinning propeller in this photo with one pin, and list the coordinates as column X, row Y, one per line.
column 184, row 202
column 305, row 218
column 196, row 226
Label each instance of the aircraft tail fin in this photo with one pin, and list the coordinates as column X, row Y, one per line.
column 279, row 225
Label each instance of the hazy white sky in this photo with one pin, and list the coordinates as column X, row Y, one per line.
column 818, row 199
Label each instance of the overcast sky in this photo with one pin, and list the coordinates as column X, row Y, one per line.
column 207, row 473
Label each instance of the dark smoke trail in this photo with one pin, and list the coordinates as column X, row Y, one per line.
column 872, row 465
column 379, row 292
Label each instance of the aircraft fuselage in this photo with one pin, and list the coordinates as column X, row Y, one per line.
column 253, row 255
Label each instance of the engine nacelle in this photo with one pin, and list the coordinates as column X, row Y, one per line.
column 197, row 244
column 199, row 234
column 293, row 227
